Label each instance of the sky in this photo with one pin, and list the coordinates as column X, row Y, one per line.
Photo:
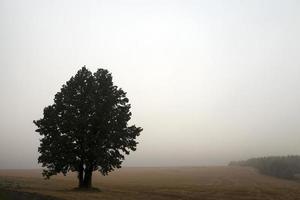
column 209, row 81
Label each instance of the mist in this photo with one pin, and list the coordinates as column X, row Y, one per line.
column 209, row 81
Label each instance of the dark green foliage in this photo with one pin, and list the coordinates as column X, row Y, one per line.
column 86, row 129
column 279, row 166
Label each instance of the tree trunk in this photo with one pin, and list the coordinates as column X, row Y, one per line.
column 85, row 176
column 80, row 177
column 87, row 181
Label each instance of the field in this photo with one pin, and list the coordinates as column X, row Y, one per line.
column 159, row 183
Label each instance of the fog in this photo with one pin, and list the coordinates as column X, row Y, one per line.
column 209, row 81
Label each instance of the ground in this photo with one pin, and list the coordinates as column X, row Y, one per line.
column 205, row 183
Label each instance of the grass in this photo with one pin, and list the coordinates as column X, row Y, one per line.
column 232, row 183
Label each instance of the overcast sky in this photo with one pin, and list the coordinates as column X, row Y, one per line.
column 209, row 81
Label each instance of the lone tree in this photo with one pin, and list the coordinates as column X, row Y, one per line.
column 86, row 129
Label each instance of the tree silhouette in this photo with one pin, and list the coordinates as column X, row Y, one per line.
column 86, row 129
column 279, row 166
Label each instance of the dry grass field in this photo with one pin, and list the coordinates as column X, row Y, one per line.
column 159, row 183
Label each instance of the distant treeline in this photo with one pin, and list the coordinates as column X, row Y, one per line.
column 279, row 166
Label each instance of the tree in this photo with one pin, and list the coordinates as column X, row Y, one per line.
column 279, row 166
column 86, row 129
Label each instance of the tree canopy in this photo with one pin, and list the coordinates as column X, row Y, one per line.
column 86, row 129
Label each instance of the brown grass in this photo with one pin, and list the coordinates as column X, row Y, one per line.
column 224, row 183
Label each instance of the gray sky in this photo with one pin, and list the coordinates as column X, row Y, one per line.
column 209, row 81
